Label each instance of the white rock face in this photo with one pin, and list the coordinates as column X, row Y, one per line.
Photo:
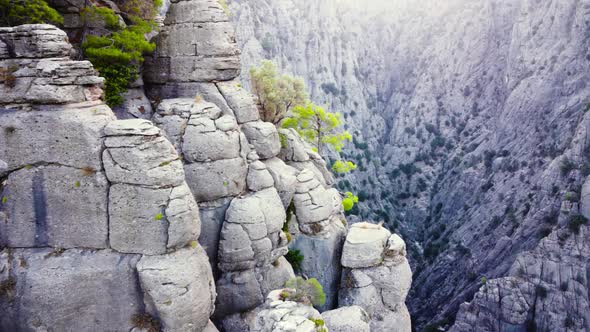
column 181, row 304
column 347, row 319
column 493, row 80
column 194, row 47
column 364, row 245
column 97, row 224
column 378, row 282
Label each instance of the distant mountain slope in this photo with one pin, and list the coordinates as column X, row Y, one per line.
column 473, row 114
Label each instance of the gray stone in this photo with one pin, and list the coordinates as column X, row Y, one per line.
column 285, row 178
column 54, row 206
column 34, row 41
column 131, row 127
column 322, row 260
column 347, row 319
column 200, row 144
column 237, row 292
column 264, row 137
column 364, row 246
column 212, row 218
column 77, row 290
column 213, row 180
column 68, row 136
column 240, row 101
column 135, row 105
column 142, row 160
column 293, row 148
column 258, row 177
column 137, row 219
column 179, row 289
column 182, row 213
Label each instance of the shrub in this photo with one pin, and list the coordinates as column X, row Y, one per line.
column 567, row 166
column 541, row 291
column 305, row 291
column 343, row 166
column 117, row 56
column 576, row 221
column 295, row 258
column 330, row 88
column 349, row 201
column 318, row 126
column 146, row 322
column 16, row 12
column 276, row 93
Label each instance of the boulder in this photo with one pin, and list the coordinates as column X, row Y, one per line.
column 54, row 206
column 239, row 100
column 258, row 177
column 213, row 180
column 364, row 245
column 179, row 289
column 74, row 290
column 377, row 281
column 264, row 137
column 285, row 178
column 194, row 47
column 347, row 319
column 69, row 136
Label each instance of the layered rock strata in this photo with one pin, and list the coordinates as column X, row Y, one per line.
column 98, row 226
column 376, row 276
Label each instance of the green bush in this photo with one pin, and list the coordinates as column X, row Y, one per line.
column 16, row 12
column 308, row 291
column 576, row 221
column 295, row 258
column 117, row 56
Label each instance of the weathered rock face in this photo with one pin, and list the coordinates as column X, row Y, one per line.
column 196, row 45
column 462, row 112
column 36, row 68
column 97, row 223
column 546, row 289
column 380, row 280
column 277, row 315
column 345, row 319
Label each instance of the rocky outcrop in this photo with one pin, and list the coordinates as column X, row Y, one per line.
column 546, row 289
column 196, row 47
column 98, row 226
column 461, row 113
column 346, row 319
column 376, row 276
column 277, row 314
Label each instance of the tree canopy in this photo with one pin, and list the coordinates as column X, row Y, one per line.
column 318, row 126
column 118, row 54
column 16, row 12
column 277, row 94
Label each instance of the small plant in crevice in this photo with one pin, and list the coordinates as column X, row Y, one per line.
column 295, row 258
column 541, row 291
column 55, row 253
column 566, row 166
column 575, row 222
column 146, row 322
column 7, row 288
column 308, row 291
column 159, row 216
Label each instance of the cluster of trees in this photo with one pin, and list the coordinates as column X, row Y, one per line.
column 116, row 51
column 283, row 100
column 16, row 12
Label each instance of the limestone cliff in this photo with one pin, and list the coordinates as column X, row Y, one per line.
column 470, row 127
column 98, row 225
column 133, row 225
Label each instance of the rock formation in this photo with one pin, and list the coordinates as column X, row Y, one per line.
column 98, row 225
column 462, row 113
column 376, row 276
column 133, row 224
